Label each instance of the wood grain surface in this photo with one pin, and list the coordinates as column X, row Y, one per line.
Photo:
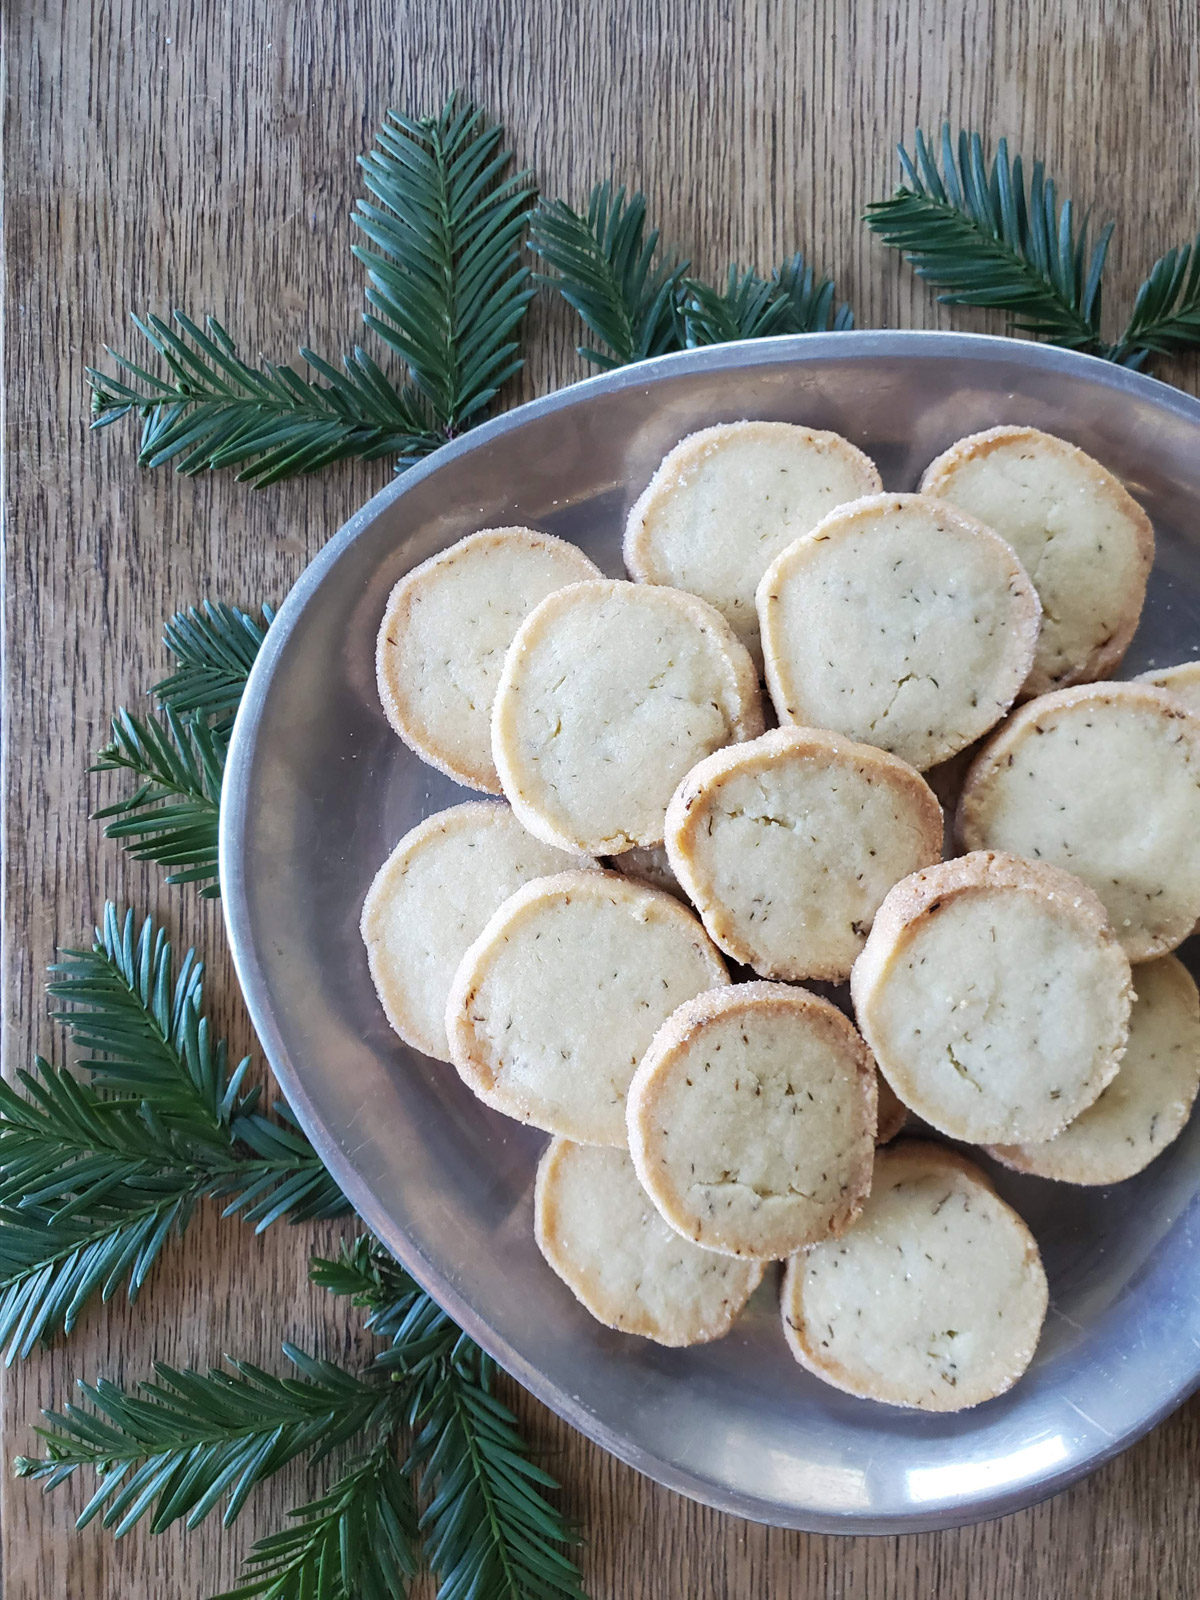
column 202, row 155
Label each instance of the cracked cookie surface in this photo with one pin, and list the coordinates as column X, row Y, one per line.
column 995, row 996
column 900, row 622
column 752, row 1120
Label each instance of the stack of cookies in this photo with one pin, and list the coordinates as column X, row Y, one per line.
column 568, row 948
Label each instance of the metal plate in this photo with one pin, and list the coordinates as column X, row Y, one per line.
column 318, row 790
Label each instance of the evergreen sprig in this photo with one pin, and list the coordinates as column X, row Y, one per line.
column 173, row 814
column 488, row 1530
column 214, row 646
column 791, row 300
column 606, row 265
column 354, row 1542
column 100, row 1166
column 1166, row 313
column 176, row 1448
column 639, row 301
column 177, row 755
column 447, row 291
column 987, row 237
column 211, row 408
column 419, row 1425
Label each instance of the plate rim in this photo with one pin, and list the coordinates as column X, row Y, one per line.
column 857, row 344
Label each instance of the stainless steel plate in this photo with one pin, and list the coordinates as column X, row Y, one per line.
column 318, row 790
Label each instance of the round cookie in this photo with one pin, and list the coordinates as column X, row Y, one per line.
column 933, row 1299
column 1147, row 1105
column 597, row 1229
column 431, row 899
column 995, row 997
column 610, row 692
column 1084, row 540
column 752, row 1120
column 557, row 1000
column 1104, row 781
column 726, row 500
column 1182, row 681
column 444, row 634
column 788, row 844
column 901, row 622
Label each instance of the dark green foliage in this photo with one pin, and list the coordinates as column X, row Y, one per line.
column 356, row 1542
column 488, row 1531
column 639, row 301
column 100, row 1166
column 177, row 1447
column 447, row 291
column 986, row 237
column 418, row 1425
column 1166, row 314
column 178, row 756
column 211, row 408
column 609, row 269
column 173, row 814
column 214, row 646
column 751, row 307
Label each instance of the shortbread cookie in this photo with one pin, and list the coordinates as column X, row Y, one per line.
column 596, row 1227
column 609, row 693
column 432, row 897
column 934, row 1298
column 557, row 1000
column 788, row 844
column 900, row 622
column 648, row 863
column 1146, row 1106
column 443, row 637
column 995, row 997
column 752, row 1120
column 727, row 500
column 1085, row 541
column 1103, row 780
column 891, row 1113
column 1182, row 681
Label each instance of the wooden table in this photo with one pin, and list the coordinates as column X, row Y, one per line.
column 202, row 156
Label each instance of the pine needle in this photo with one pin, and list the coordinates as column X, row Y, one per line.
column 640, row 301
column 212, row 409
column 172, row 816
column 609, row 269
column 101, row 1165
column 489, row 1531
column 987, row 238
column 175, row 1448
column 447, row 291
column 1166, row 313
